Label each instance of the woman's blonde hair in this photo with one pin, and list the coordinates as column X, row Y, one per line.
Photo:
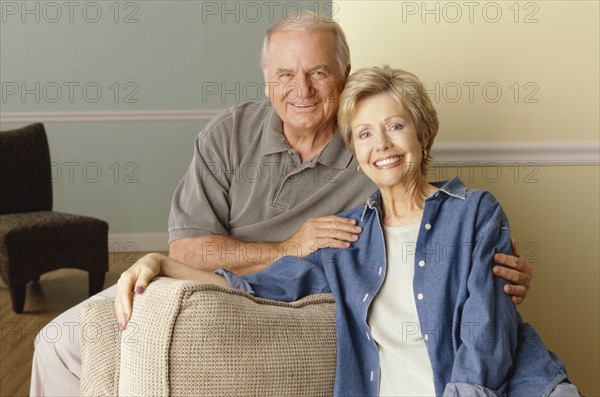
column 405, row 88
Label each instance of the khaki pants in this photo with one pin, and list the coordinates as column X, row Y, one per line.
column 56, row 367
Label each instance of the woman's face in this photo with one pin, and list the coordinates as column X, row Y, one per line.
column 385, row 141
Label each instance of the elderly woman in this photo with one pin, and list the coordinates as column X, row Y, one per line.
column 418, row 310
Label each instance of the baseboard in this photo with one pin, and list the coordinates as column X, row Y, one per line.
column 138, row 242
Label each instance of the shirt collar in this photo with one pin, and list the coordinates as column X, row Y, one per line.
column 273, row 140
column 335, row 154
column 454, row 187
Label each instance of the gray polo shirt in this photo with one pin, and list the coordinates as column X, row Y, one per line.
column 245, row 181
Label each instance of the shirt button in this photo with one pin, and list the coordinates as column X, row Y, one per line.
column 427, row 226
column 421, row 263
column 420, row 296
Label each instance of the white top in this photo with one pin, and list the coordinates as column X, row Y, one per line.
column 405, row 366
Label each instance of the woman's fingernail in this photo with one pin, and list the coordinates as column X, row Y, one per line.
column 126, row 318
column 120, row 327
column 139, row 289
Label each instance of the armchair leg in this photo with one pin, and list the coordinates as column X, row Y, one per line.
column 96, row 281
column 17, row 296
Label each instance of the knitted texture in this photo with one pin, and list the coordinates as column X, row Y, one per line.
column 191, row 339
column 100, row 351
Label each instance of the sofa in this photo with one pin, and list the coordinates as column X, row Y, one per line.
column 188, row 338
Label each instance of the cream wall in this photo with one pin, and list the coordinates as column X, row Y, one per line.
column 553, row 61
column 514, row 72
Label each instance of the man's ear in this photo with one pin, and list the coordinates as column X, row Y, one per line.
column 267, row 85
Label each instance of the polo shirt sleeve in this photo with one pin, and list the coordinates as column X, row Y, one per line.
column 200, row 203
column 489, row 322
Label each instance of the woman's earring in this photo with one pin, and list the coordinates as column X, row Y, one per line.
column 425, row 153
column 358, row 169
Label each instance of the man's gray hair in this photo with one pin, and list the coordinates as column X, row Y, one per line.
column 308, row 21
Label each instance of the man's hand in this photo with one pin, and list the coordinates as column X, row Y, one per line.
column 515, row 269
column 324, row 232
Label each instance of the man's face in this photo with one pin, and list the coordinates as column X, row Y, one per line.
column 303, row 80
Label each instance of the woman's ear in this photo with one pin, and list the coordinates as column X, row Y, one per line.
column 425, row 143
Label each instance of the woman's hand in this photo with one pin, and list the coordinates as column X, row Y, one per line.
column 135, row 280
column 515, row 269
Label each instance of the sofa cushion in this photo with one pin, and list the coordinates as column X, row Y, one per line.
column 192, row 339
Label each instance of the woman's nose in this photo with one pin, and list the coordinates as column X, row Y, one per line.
column 382, row 143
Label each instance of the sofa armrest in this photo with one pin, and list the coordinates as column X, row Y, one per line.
column 192, row 339
column 100, row 349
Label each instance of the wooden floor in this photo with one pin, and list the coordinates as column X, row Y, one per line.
column 56, row 292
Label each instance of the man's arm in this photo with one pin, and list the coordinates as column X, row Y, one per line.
column 217, row 251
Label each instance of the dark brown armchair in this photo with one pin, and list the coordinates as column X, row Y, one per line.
column 34, row 239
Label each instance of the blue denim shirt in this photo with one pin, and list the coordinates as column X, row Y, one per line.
column 475, row 339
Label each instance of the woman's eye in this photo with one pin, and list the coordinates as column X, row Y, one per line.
column 364, row 134
column 395, row 127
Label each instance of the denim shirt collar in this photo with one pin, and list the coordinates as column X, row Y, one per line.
column 453, row 187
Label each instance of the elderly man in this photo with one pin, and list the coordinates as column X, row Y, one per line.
column 259, row 171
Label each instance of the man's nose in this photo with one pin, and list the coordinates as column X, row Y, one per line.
column 304, row 86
